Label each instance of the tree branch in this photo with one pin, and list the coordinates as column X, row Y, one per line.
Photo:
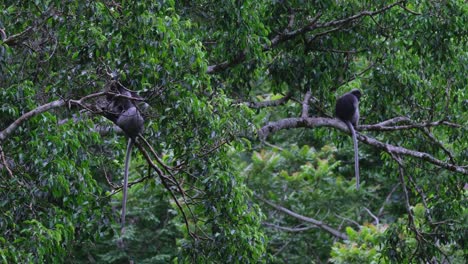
column 288, row 34
column 17, row 38
column 41, row 109
column 271, row 103
column 378, row 127
column 313, row 122
column 315, row 222
column 289, row 229
column 44, row 108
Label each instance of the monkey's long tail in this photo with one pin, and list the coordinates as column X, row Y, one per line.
column 356, row 153
column 125, row 186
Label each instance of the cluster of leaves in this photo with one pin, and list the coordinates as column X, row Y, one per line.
column 361, row 247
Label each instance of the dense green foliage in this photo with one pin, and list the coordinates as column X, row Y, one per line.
column 248, row 164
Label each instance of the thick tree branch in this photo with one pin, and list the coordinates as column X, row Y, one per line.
column 313, row 122
column 315, row 222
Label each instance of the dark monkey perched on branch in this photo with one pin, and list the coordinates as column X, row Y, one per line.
column 347, row 109
column 123, row 112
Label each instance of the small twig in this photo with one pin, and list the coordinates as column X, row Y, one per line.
column 387, row 199
column 289, row 229
column 402, row 5
column 423, row 196
column 439, row 144
column 5, row 163
column 348, row 220
column 109, row 180
column 376, row 219
column 401, row 176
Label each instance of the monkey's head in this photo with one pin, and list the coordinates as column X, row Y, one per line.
column 356, row 93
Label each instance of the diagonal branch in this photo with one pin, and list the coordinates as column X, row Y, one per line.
column 17, row 38
column 41, row 109
column 291, row 34
column 315, row 222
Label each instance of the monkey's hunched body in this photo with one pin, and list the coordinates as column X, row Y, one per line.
column 347, row 109
column 124, row 113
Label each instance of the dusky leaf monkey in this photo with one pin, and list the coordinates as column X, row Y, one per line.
column 121, row 110
column 347, row 110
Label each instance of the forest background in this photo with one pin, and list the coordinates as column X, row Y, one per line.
column 245, row 161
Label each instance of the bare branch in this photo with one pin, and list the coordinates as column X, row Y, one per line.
column 315, row 222
column 407, row 152
column 164, row 180
column 392, row 121
column 402, row 5
column 289, row 229
column 387, row 199
column 291, row 34
column 376, row 219
column 378, row 127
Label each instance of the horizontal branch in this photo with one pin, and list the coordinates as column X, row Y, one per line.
column 385, row 127
column 313, row 122
column 315, row 222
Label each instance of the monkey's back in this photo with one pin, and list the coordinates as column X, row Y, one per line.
column 346, row 107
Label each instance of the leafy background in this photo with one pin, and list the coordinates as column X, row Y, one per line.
column 216, row 74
